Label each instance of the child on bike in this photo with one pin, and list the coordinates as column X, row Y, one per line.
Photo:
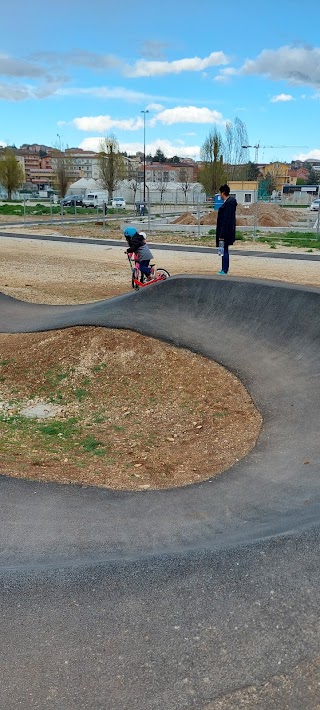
column 138, row 246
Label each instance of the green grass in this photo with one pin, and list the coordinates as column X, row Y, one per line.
column 302, row 240
column 98, row 368
column 302, row 207
column 56, row 436
column 65, row 428
column 239, row 235
column 93, row 446
column 5, row 362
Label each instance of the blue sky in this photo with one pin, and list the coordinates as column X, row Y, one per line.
column 85, row 70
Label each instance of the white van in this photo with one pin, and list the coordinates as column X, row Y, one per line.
column 95, row 199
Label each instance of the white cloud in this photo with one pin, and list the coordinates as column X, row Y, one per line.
column 158, row 68
column 297, row 65
column 105, row 123
column 187, row 114
column 155, row 107
column 314, row 153
column 104, row 92
column 168, row 148
column 281, row 98
column 226, row 73
column 143, row 67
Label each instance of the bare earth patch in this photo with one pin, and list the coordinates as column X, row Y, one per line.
column 133, row 413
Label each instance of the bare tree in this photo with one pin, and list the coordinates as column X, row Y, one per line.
column 162, row 185
column 62, row 172
column 183, row 177
column 112, row 167
column 235, row 155
column 11, row 173
column 133, row 185
column 212, row 172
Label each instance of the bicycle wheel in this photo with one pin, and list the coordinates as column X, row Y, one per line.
column 135, row 275
column 162, row 274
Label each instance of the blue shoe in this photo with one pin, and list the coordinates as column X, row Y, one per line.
column 222, row 273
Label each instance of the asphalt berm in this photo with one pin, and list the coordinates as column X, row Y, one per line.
column 202, row 597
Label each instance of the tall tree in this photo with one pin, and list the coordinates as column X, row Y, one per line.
column 252, row 170
column 313, row 177
column 62, row 167
column 112, row 166
column 235, row 154
column 159, row 157
column 212, row 172
column 269, row 183
column 11, row 173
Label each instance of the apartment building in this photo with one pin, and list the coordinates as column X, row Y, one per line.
column 167, row 172
column 83, row 163
column 280, row 173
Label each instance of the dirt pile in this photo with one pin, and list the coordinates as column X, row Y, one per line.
column 268, row 215
column 185, row 218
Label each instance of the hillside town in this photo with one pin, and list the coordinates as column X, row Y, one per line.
column 174, row 179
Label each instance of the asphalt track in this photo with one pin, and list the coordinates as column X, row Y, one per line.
column 204, row 597
column 165, row 247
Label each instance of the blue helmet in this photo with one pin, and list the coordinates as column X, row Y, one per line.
column 129, row 232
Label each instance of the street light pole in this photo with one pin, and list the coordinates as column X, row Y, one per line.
column 144, row 153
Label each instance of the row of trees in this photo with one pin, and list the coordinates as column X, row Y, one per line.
column 224, row 157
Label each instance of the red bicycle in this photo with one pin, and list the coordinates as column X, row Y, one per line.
column 140, row 280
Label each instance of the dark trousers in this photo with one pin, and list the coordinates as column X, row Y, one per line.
column 145, row 268
column 225, row 259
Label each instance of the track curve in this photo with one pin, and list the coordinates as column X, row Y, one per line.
column 268, row 334
column 205, row 597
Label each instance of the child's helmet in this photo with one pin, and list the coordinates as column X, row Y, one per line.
column 143, row 234
column 129, row 232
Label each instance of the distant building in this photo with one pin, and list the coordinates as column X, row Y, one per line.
column 280, row 173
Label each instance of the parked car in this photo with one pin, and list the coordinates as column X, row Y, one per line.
column 71, row 201
column 118, row 203
column 315, row 204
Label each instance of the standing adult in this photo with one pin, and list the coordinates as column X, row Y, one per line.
column 226, row 226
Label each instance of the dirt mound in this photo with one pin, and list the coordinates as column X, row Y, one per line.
column 209, row 218
column 268, row 215
column 185, row 218
column 106, row 429
column 189, row 218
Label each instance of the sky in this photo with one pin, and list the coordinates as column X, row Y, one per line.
column 72, row 73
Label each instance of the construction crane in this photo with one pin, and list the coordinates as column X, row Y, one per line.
column 257, row 146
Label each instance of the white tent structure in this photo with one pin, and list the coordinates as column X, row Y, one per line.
column 171, row 193
column 83, row 186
